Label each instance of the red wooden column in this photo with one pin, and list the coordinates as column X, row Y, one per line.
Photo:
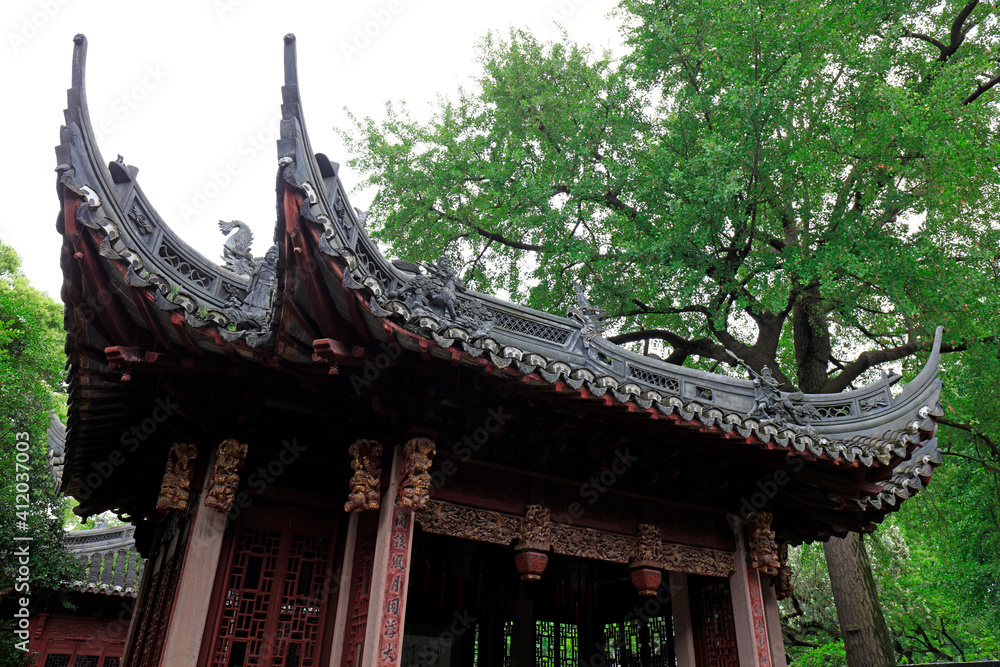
column 680, row 603
column 387, row 604
column 344, row 593
column 773, row 616
column 752, row 642
column 189, row 616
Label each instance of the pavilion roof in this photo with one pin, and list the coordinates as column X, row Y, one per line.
column 324, row 297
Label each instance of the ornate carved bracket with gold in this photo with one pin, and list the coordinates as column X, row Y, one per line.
column 763, row 550
column 471, row 523
column 175, row 489
column 228, row 462
column 415, row 478
column 367, row 479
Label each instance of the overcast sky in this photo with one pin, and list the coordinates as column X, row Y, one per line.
column 182, row 89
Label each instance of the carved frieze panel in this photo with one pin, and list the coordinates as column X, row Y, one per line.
column 469, row 523
column 696, row 560
column 763, row 550
column 228, row 462
column 367, row 478
column 175, row 489
column 442, row 518
column 415, row 480
column 593, row 544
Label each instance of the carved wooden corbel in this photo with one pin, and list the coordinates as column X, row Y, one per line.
column 763, row 550
column 228, row 462
column 415, row 480
column 367, row 479
column 175, row 489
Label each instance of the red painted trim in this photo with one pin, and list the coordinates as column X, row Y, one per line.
column 761, row 645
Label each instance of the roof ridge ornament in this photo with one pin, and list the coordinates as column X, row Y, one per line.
column 589, row 316
column 434, row 291
column 781, row 408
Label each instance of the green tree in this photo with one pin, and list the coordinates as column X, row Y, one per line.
column 810, row 185
column 31, row 368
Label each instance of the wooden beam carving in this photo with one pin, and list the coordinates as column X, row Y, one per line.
column 442, row 518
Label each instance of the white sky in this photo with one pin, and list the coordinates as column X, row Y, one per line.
column 181, row 89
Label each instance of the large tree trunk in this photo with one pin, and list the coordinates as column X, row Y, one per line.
column 866, row 637
column 862, row 625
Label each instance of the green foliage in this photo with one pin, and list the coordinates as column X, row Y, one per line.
column 737, row 172
column 31, row 363
column 828, row 655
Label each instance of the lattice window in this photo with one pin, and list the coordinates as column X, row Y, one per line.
column 556, row 644
column 364, row 558
column 671, row 384
column 248, row 593
column 832, row 411
column 661, row 641
column 57, row 660
column 713, row 613
column 154, row 614
column 508, row 633
column 621, row 644
column 301, row 600
column 529, row 327
column 86, row 661
column 112, row 662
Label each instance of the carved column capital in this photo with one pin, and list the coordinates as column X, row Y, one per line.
column 228, row 462
column 367, row 479
column 175, row 487
column 415, row 482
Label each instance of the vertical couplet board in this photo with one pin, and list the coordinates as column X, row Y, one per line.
column 394, row 609
column 387, row 603
column 761, row 644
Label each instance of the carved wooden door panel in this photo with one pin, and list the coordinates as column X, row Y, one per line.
column 275, row 599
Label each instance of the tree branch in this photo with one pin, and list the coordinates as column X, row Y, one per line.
column 981, row 89
column 968, row 428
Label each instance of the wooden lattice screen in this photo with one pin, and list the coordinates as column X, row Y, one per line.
column 715, row 628
column 273, row 607
column 361, row 581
